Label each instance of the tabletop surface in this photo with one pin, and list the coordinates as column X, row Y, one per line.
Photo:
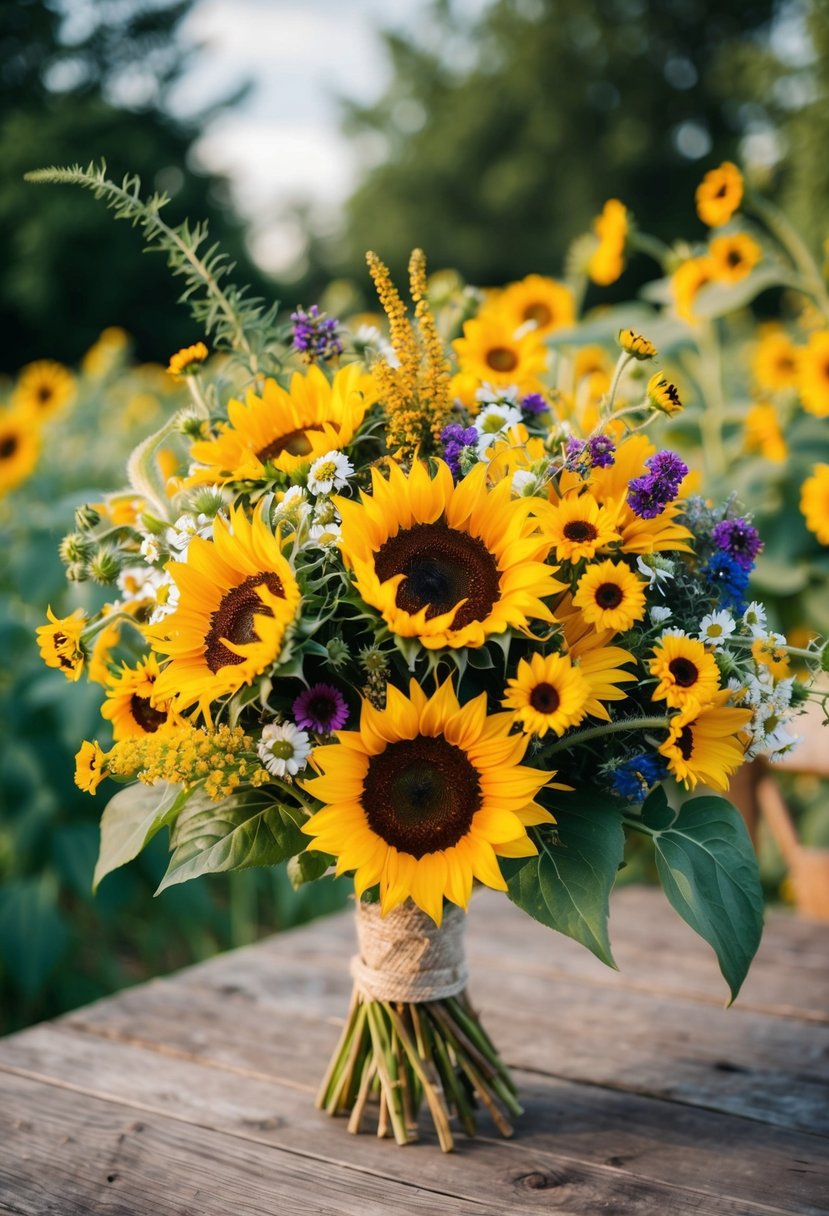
column 195, row 1093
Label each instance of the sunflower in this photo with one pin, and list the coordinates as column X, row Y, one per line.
column 547, row 693
column 577, row 527
column 60, row 643
column 610, row 596
column 43, row 388
column 814, row 502
column 238, row 595
column 734, row 257
column 705, row 744
column 19, row 447
column 719, row 194
column 688, row 279
column 549, row 305
column 89, row 767
column 446, row 564
column 763, row 434
column 776, row 361
column 490, row 353
column 608, row 259
column 686, row 671
column 131, row 705
column 814, row 375
column 424, row 798
column 286, row 430
column 187, row 361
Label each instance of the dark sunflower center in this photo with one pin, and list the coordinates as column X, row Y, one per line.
column 734, row 258
column 545, row 698
column 44, row 394
column 723, row 190
column 685, row 672
column 147, row 717
column 234, row 619
column 609, row 595
column 539, row 313
column 501, row 359
column 580, row 530
column 420, row 795
column 8, row 446
column 685, row 742
column 295, row 443
column 441, row 566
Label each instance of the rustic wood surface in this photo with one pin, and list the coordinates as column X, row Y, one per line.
column 643, row 1095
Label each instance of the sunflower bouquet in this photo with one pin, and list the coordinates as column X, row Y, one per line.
column 375, row 606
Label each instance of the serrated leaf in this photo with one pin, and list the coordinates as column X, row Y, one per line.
column 240, row 832
column 567, row 886
column 708, row 870
column 130, row 820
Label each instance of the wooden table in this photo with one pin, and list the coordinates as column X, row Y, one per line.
column 194, row 1094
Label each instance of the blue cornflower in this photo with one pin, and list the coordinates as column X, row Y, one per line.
column 729, row 578
column 633, row 778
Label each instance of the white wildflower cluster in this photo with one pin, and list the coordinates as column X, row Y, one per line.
column 370, row 343
column 185, row 528
column 498, row 412
column 765, row 688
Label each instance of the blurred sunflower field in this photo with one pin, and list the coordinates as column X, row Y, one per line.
column 61, row 434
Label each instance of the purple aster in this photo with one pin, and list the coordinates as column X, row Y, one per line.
column 602, row 451
column 534, row 403
column 738, row 538
column 649, row 495
column 315, row 335
column 728, row 578
column 321, row 708
column 455, row 438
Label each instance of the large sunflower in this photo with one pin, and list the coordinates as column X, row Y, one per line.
column 19, row 447
column 131, row 704
column 286, row 430
column 448, row 564
column 490, row 353
column 238, row 595
column 705, row 744
column 424, row 797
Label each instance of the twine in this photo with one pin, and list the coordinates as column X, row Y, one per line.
column 404, row 956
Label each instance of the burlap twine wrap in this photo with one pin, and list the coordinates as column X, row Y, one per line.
column 405, row 957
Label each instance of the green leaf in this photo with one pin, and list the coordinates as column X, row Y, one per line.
column 131, row 819
column 567, row 886
column 657, row 814
column 246, row 830
column 708, row 870
column 307, row 867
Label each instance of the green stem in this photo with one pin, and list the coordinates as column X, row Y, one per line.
column 652, row 246
column 711, row 420
column 607, row 728
column 788, row 236
column 621, row 363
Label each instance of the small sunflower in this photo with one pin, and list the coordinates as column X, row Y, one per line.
column 763, row 434
column 60, row 643
column 19, row 447
column 776, row 361
column 608, row 259
column 89, row 767
column 687, row 280
column 610, row 596
column 814, row 502
column 686, row 671
column 814, row 375
column 424, row 798
column 43, row 388
column 663, row 395
column 734, row 257
column 549, row 305
column 131, row 704
column 636, row 344
column 547, row 693
column 490, row 353
column 578, row 527
column 706, row 744
column 719, row 194
column 447, row 564
column 286, row 430
column 238, row 596
column 187, row 361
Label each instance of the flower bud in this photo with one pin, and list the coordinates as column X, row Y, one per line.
column 663, row 396
column 636, row 344
column 104, row 566
column 86, row 517
column 75, row 547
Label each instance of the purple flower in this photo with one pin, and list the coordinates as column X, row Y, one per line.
column 738, row 538
column 649, row 495
column 315, row 335
column 534, row 403
column 598, row 452
column 455, row 439
column 321, row 708
column 728, row 578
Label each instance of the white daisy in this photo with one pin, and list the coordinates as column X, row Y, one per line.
column 149, row 549
column 329, row 472
column 524, row 483
column 658, row 614
column 755, row 617
column 323, row 536
column 487, row 394
column 283, row 748
column 178, row 536
column 496, row 417
column 716, row 627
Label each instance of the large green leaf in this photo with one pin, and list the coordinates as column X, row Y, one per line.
column 131, row 819
column 247, row 830
column 567, row 886
column 708, row 870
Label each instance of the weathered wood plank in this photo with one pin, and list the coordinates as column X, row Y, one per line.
column 719, row 1156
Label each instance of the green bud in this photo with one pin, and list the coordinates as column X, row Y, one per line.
column 193, row 424
column 373, row 660
column 151, row 523
column 86, row 518
column 206, row 501
column 75, row 547
column 77, row 572
column 338, row 652
column 104, row 566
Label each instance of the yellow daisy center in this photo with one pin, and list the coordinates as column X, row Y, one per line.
column 441, row 567
column 233, row 620
column 421, row 795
